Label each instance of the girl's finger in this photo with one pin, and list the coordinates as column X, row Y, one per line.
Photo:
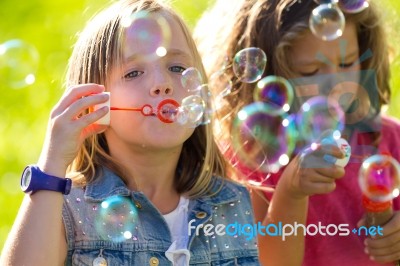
column 79, row 106
column 334, row 171
column 75, row 93
column 90, row 118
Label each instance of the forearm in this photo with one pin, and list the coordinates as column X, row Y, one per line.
column 35, row 237
column 288, row 210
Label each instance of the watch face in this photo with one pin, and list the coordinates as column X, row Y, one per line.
column 26, row 179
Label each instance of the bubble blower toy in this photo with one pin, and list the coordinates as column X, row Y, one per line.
column 379, row 180
column 166, row 111
column 345, row 147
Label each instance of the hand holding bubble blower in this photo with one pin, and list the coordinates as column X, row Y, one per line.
column 379, row 180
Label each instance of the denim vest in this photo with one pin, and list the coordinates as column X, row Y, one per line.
column 107, row 222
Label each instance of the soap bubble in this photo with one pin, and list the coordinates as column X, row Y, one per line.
column 149, row 32
column 274, row 91
column 18, row 63
column 318, row 117
column 263, row 141
column 353, row 6
column 249, row 64
column 379, row 178
column 327, row 22
column 191, row 111
column 117, row 219
column 191, row 79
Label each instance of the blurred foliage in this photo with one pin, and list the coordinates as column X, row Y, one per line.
column 51, row 27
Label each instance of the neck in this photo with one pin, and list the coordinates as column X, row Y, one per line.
column 151, row 172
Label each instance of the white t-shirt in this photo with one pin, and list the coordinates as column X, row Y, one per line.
column 178, row 253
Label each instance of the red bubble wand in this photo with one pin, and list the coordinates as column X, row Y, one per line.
column 166, row 109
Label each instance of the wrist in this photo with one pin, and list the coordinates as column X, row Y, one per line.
column 52, row 167
column 33, row 179
column 290, row 187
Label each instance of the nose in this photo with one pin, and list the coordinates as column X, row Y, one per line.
column 161, row 90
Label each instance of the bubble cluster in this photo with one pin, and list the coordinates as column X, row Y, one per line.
column 18, row 63
column 379, row 178
column 264, row 141
column 249, row 64
column 117, row 219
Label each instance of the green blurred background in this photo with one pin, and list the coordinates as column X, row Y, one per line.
column 51, row 27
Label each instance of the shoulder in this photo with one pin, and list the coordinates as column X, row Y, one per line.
column 390, row 123
column 390, row 139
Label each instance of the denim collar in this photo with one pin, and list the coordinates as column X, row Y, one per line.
column 109, row 184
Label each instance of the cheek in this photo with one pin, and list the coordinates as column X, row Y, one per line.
column 127, row 97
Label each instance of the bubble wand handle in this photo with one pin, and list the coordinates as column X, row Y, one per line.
column 377, row 213
column 146, row 110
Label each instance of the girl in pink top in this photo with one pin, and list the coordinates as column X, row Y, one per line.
column 326, row 196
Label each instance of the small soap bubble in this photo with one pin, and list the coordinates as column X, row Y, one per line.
column 204, row 93
column 379, row 178
column 222, row 80
column 149, row 32
column 261, row 137
column 353, row 6
column 318, row 117
column 116, row 218
column 327, row 22
column 191, row 79
column 274, row 91
column 191, row 110
column 249, row 64
column 18, row 63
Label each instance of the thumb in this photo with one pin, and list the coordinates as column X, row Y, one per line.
column 362, row 221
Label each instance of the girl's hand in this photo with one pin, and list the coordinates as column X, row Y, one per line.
column 385, row 248
column 313, row 172
column 69, row 126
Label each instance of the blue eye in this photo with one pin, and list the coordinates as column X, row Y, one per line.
column 177, row 69
column 133, row 74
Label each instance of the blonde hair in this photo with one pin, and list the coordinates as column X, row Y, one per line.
column 273, row 25
column 96, row 53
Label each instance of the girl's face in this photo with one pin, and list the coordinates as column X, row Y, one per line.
column 144, row 80
column 328, row 68
column 312, row 56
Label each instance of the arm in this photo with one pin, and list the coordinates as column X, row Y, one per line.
column 286, row 209
column 289, row 205
column 37, row 236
